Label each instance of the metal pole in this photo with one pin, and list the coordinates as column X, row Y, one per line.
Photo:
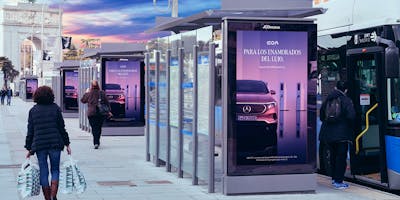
column 157, row 88
column 60, row 31
column 175, row 8
column 181, row 55
column 168, row 164
column 195, row 179
column 147, row 85
column 211, row 118
column 41, row 45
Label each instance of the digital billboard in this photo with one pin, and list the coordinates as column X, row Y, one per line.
column 122, row 84
column 31, row 86
column 269, row 128
column 71, row 86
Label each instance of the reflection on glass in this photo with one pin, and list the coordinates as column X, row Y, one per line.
column 393, row 85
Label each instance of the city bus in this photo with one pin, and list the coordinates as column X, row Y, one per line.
column 358, row 41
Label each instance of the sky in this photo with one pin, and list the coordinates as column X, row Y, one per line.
column 120, row 20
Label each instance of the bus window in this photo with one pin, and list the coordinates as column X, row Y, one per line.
column 393, row 99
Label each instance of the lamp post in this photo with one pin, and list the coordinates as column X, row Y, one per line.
column 174, row 7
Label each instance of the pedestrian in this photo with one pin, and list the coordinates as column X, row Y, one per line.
column 93, row 97
column 47, row 137
column 337, row 133
column 3, row 92
column 9, row 95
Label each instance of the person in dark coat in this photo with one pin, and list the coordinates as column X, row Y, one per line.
column 3, row 93
column 47, row 137
column 337, row 135
column 9, row 95
column 92, row 98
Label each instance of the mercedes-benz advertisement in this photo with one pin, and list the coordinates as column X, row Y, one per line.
column 123, row 88
column 268, row 130
column 70, row 90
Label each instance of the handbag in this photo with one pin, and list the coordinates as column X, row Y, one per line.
column 102, row 109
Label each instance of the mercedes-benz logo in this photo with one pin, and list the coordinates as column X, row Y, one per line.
column 246, row 109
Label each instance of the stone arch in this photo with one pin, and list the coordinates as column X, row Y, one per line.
column 35, row 22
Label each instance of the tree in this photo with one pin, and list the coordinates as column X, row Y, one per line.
column 72, row 54
column 9, row 73
column 90, row 43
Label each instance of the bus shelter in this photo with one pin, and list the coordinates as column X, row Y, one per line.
column 66, row 87
column 119, row 69
column 197, row 117
column 27, row 87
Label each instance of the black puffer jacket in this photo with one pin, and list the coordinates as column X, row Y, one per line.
column 341, row 130
column 46, row 128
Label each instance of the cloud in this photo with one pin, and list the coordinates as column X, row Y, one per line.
column 111, row 18
column 122, row 20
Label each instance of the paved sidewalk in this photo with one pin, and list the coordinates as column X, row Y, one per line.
column 118, row 169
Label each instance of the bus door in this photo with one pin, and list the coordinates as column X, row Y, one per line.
column 366, row 78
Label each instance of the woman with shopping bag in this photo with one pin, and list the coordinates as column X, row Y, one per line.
column 46, row 137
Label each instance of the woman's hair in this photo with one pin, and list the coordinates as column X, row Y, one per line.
column 43, row 95
column 94, row 85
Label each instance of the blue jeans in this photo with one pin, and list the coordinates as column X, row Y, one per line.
column 54, row 156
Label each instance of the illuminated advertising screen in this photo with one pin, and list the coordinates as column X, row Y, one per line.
column 122, row 84
column 71, row 86
column 31, row 86
column 268, row 107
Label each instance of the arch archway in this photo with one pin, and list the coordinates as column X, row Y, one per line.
column 38, row 24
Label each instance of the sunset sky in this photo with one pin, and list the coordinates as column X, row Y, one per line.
column 120, row 20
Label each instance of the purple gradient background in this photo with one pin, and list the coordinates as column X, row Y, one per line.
column 291, row 72
column 33, row 83
column 71, row 78
column 130, row 79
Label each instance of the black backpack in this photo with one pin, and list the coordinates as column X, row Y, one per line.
column 333, row 110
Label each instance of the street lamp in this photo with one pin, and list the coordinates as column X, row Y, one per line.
column 174, row 7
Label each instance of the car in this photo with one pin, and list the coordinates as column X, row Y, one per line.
column 71, row 97
column 254, row 102
column 70, row 92
column 256, row 122
column 116, row 98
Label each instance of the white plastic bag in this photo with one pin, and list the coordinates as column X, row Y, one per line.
column 28, row 183
column 71, row 177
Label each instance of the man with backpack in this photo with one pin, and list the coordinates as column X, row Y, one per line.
column 337, row 115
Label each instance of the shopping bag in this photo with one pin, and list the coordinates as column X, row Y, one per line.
column 71, row 177
column 79, row 179
column 28, row 183
column 66, row 182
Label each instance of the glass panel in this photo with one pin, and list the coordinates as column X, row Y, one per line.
column 368, row 89
column 152, row 93
column 189, row 39
column 162, row 86
column 366, row 77
column 204, row 37
column 393, row 98
column 174, row 45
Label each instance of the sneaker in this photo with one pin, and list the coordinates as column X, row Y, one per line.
column 96, row 146
column 340, row 186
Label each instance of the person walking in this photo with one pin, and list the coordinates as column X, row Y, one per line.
column 337, row 115
column 9, row 95
column 47, row 137
column 93, row 97
column 3, row 92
